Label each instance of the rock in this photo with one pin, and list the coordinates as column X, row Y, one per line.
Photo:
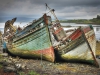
column 4, row 54
column 18, row 65
column 5, row 63
column 10, row 69
column 23, row 66
column 98, row 56
column 10, row 58
column 50, row 64
column 1, row 62
column 9, row 61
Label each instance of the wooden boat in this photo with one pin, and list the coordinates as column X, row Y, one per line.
column 32, row 41
column 76, row 45
column 79, row 46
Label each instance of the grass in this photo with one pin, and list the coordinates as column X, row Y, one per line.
column 1, row 57
column 1, row 66
column 31, row 72
column 0, row 60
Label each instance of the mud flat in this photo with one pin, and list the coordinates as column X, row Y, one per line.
column 18, row 66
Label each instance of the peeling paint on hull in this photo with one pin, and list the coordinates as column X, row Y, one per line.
column 47, row 54
column 78, row 48
column 33, row 41
column 80, row 53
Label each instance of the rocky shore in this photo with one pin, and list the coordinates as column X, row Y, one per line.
column 20, row 66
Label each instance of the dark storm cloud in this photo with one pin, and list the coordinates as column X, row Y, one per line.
column 68, row 2
column 36, row 8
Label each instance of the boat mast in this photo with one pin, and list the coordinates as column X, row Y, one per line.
column 52, row 11
column 57, row 29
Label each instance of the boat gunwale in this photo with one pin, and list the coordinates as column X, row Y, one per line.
column 28, row 34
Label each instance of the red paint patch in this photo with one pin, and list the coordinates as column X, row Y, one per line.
column 76, row 34
column 58, row 30
column 49, row 52
column 86, row 29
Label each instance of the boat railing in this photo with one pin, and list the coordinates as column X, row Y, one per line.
column 31, row 31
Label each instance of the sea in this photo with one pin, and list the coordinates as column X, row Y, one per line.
column 68, row 26
column 74, row 25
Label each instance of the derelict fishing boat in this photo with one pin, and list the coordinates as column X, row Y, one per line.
column 32, row 41
column 76, row 45
column 79, row 46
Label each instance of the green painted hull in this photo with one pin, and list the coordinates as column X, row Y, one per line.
column 33, row 42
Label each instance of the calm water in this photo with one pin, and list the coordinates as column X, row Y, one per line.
column 96, row 27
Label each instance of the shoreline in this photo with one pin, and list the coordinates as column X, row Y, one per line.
column 81, row 23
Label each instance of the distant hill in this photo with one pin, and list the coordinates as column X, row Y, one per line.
column 83, row 21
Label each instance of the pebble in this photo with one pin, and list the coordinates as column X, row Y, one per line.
column 9, row 69
column 98, row 56
column 4, row 54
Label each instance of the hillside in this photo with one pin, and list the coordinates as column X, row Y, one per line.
column 83, row 21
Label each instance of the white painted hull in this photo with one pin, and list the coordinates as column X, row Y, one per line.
column 81, row 52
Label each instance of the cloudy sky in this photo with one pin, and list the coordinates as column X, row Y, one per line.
column 26, row 10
